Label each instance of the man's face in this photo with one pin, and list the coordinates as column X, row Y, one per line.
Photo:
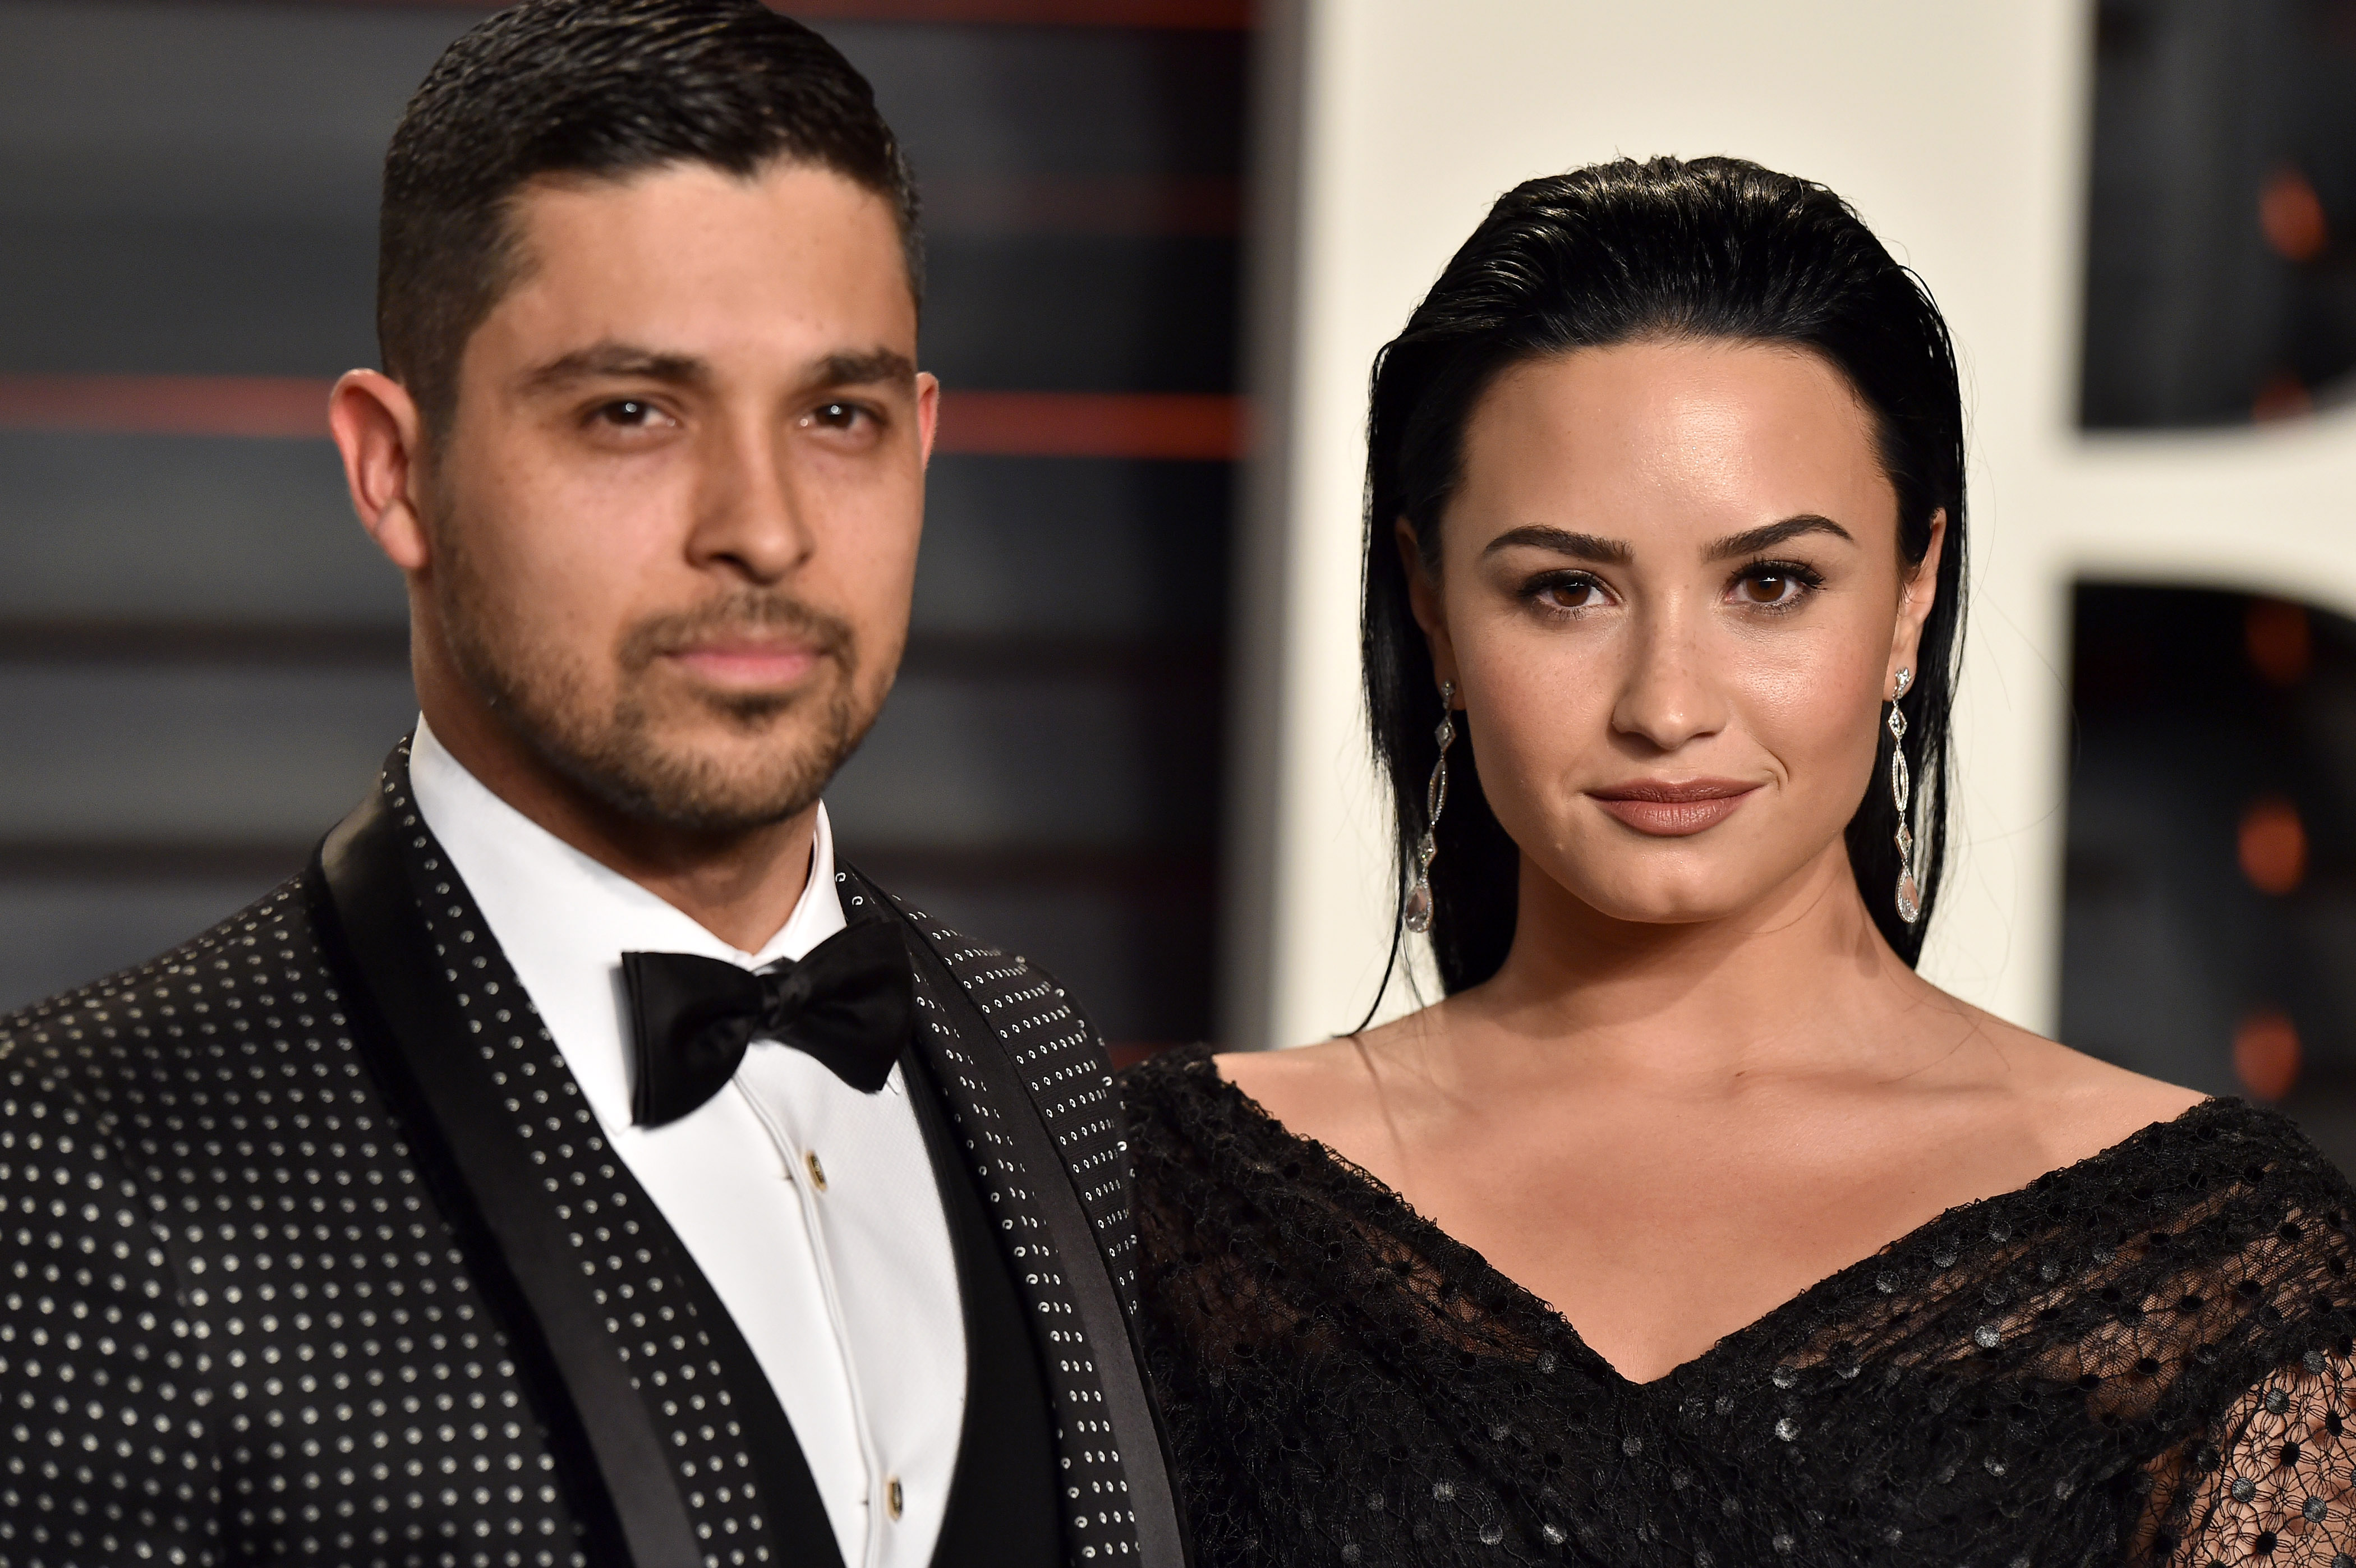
column 674, row 520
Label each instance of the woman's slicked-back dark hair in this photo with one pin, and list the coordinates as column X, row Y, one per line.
column 604, row 90
column 1620, row 253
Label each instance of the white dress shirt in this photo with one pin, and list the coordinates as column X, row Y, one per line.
column 810, row 1205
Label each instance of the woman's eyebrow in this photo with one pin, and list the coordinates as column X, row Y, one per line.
column 1750, row 542
column 1562, row 542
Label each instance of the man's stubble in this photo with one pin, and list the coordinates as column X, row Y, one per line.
column 615, row 751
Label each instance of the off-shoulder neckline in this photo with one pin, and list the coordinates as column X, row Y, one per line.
column 1195, row 1064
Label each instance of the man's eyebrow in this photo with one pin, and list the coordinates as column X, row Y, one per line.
column 628, row 360
column 1562, row 542
column 1768, row 535
column 870, row 369
column 600, row 360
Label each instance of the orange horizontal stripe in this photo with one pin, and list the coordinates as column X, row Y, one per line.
column 167, row 405
column 1174, row 426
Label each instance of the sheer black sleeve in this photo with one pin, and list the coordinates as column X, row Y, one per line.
column 2258, row 1345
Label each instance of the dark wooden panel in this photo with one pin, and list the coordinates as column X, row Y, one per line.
column 1130, row 934
column 114, row 528
column 1070, row 313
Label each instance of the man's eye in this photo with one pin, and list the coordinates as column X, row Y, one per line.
column 837, row 416
column 630, row 413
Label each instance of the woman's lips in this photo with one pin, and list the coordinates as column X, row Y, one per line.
column 1674, row 810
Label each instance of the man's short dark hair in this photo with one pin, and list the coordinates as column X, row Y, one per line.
column 606, row 89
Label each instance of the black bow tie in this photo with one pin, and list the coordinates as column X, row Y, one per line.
column 850, row 1003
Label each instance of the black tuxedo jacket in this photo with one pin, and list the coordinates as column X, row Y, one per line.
column 311, row 1251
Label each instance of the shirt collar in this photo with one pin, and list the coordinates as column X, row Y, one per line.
column 498, row 849
column 564, row 919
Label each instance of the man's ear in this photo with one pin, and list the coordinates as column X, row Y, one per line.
column 1917, row 592
column 378, row 431
column 929, row 414
column 1423, row 599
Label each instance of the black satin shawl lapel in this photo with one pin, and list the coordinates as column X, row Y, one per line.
column 620, row 1478
column 485, row 1175
column 1109, row 1333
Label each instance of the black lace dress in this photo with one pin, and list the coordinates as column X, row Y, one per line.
column 2143, row 1358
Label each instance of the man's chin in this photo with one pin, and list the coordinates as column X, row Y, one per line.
column 707, row 802
column 716, row 775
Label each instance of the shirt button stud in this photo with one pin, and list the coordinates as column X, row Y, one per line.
column 816, row 1171
column 892, row 1495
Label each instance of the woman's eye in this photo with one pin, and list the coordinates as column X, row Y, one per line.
column 1569, row 593
column 1771, row 588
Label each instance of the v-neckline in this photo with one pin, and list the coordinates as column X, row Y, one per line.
column 1444, row 1247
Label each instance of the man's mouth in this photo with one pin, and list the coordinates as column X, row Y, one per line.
column 747, row 663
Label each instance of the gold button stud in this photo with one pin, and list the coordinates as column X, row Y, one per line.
column 892, row 1495
column 816, row 1171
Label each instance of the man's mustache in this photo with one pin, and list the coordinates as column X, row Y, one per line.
column 649, row 640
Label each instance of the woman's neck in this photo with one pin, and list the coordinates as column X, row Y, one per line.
column 1801, row 983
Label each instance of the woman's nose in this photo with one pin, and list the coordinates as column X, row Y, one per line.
column 1666, row 696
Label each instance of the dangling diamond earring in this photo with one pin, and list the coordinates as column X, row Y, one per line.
column 1417, row 915
column 1902, row 790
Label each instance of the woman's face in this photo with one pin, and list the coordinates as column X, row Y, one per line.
column 1671, row 598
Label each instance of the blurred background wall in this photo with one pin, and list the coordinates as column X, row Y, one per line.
column 1128, row 740
column 203, row 660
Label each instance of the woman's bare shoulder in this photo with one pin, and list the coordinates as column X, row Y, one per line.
column 2083, row 1104
column 1331, row 1091
column 1297, row 1076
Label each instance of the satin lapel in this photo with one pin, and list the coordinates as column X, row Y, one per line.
column 483, row 1179
column 998, row 1107
column 599, row 1293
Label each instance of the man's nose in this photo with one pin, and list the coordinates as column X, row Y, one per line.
column 750, row 516
column 1667, row 697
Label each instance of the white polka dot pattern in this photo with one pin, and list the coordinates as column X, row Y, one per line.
column 233, row 1325
column 694, row 1374
column 1063, row 1064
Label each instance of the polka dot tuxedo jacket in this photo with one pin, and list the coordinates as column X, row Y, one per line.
column 311, row 1251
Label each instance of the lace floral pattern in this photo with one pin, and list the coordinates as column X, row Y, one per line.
column 2143, row 1358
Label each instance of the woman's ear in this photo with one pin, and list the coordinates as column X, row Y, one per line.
column 1423, row 599
column 1918, row 590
